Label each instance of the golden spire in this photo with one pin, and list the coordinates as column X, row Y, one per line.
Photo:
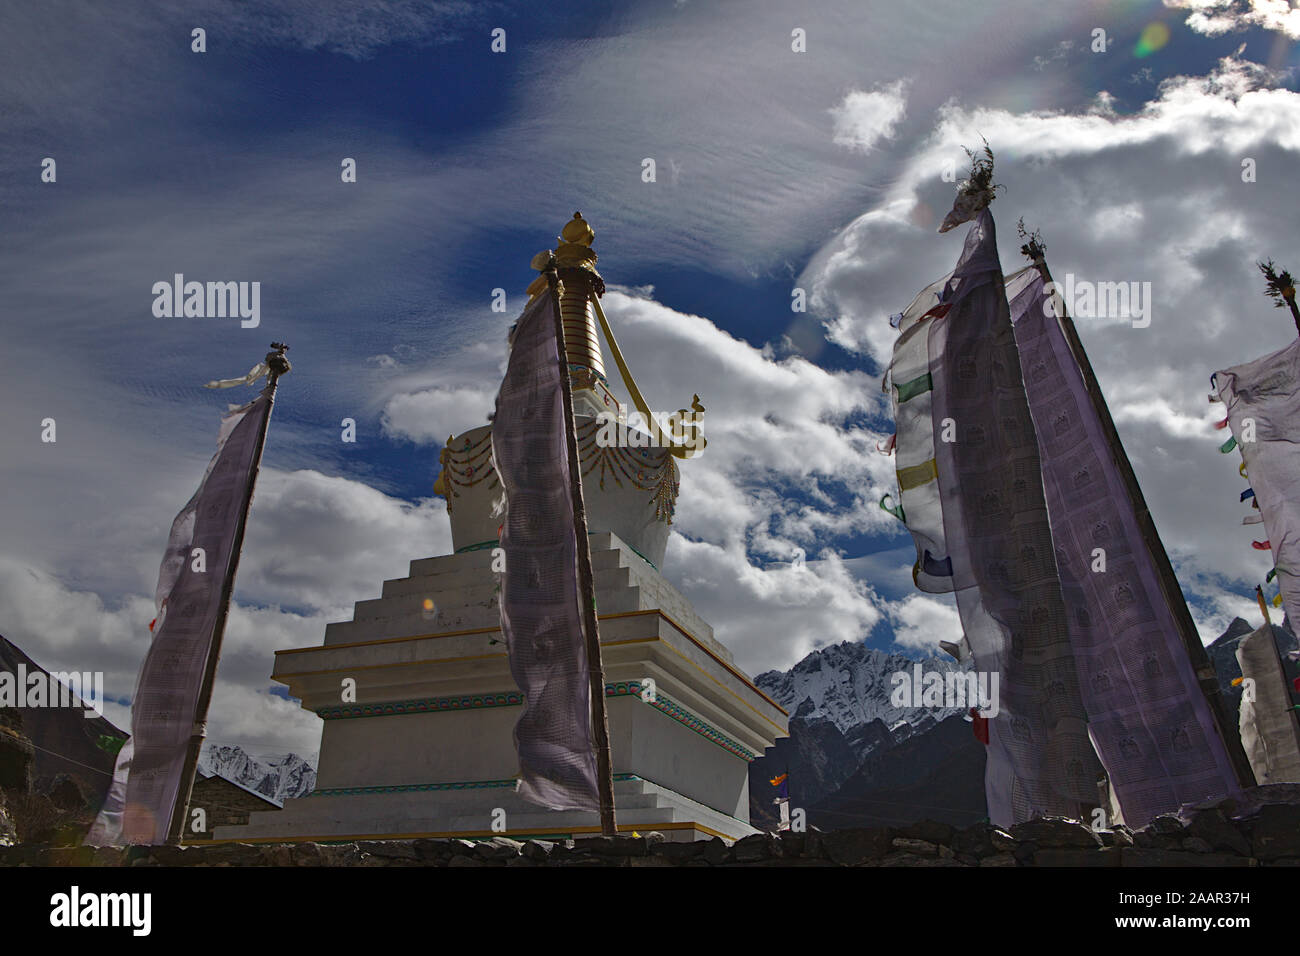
column 581, row 287
column 573, row 251
column 575, row 263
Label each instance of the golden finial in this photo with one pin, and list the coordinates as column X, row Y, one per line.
column 578, row 230
column 573, row 251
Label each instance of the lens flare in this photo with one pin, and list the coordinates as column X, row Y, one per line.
column 1154, row 36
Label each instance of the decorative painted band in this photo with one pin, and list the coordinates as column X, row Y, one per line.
column 434, row 705
column 428, row 705
column 677, row 712
column 426, row 787
column 483, row 545
column 582, row 368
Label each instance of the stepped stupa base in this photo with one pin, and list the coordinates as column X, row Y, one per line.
column 426, row 748
column 641, row 806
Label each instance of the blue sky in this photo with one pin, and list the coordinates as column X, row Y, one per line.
column 775, row 169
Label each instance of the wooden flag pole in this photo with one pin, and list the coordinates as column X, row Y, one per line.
column 1289, row 297
column 279, row 365
column 1173, row 593
column 586, row 581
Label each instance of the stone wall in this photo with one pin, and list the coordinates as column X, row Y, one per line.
column 223, row 804
column 1269, row 836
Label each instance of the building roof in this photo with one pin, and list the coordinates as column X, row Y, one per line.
column 279, row 805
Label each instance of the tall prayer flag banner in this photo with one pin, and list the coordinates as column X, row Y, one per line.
column 1263, row 402
column 988, row 499
column 1149, row 721
column 190, row 599
column 541, row 615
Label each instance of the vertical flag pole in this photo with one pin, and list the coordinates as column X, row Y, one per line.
column 1173, row 594
column 278, row 365
column 586, row 583
column 1281, row 289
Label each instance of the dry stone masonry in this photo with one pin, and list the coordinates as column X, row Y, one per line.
column 1265, row 835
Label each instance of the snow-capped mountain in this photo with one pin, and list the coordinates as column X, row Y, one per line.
column 853, row 756
column 851, row 684
column 855, row 759
column 278, row 776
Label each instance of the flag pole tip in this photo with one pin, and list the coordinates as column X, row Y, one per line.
column 276, row 361
column 1034, row 248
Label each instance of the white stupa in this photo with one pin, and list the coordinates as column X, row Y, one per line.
column 425, row 749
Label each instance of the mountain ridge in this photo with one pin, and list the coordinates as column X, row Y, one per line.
column 855, row 759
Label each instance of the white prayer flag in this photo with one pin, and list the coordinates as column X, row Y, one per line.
column 541, row 612
column 200, row 549
column 1263, row 402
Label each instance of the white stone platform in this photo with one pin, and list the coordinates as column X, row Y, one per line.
column 640, row 805
column 426, row 748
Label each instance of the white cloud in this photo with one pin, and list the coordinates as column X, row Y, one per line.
column 773, row 617
column 434, row 413
column 1217, row 17
column 1118, row 219
column 314, row 542
column 1066, row 167
column 788, row 464
column 1220, row 601
column 864, row 119
column 778, row 430
column 62, row 628
column 321, row 542
column 1164, row 184
column 1158, row 412
column 921, row 622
